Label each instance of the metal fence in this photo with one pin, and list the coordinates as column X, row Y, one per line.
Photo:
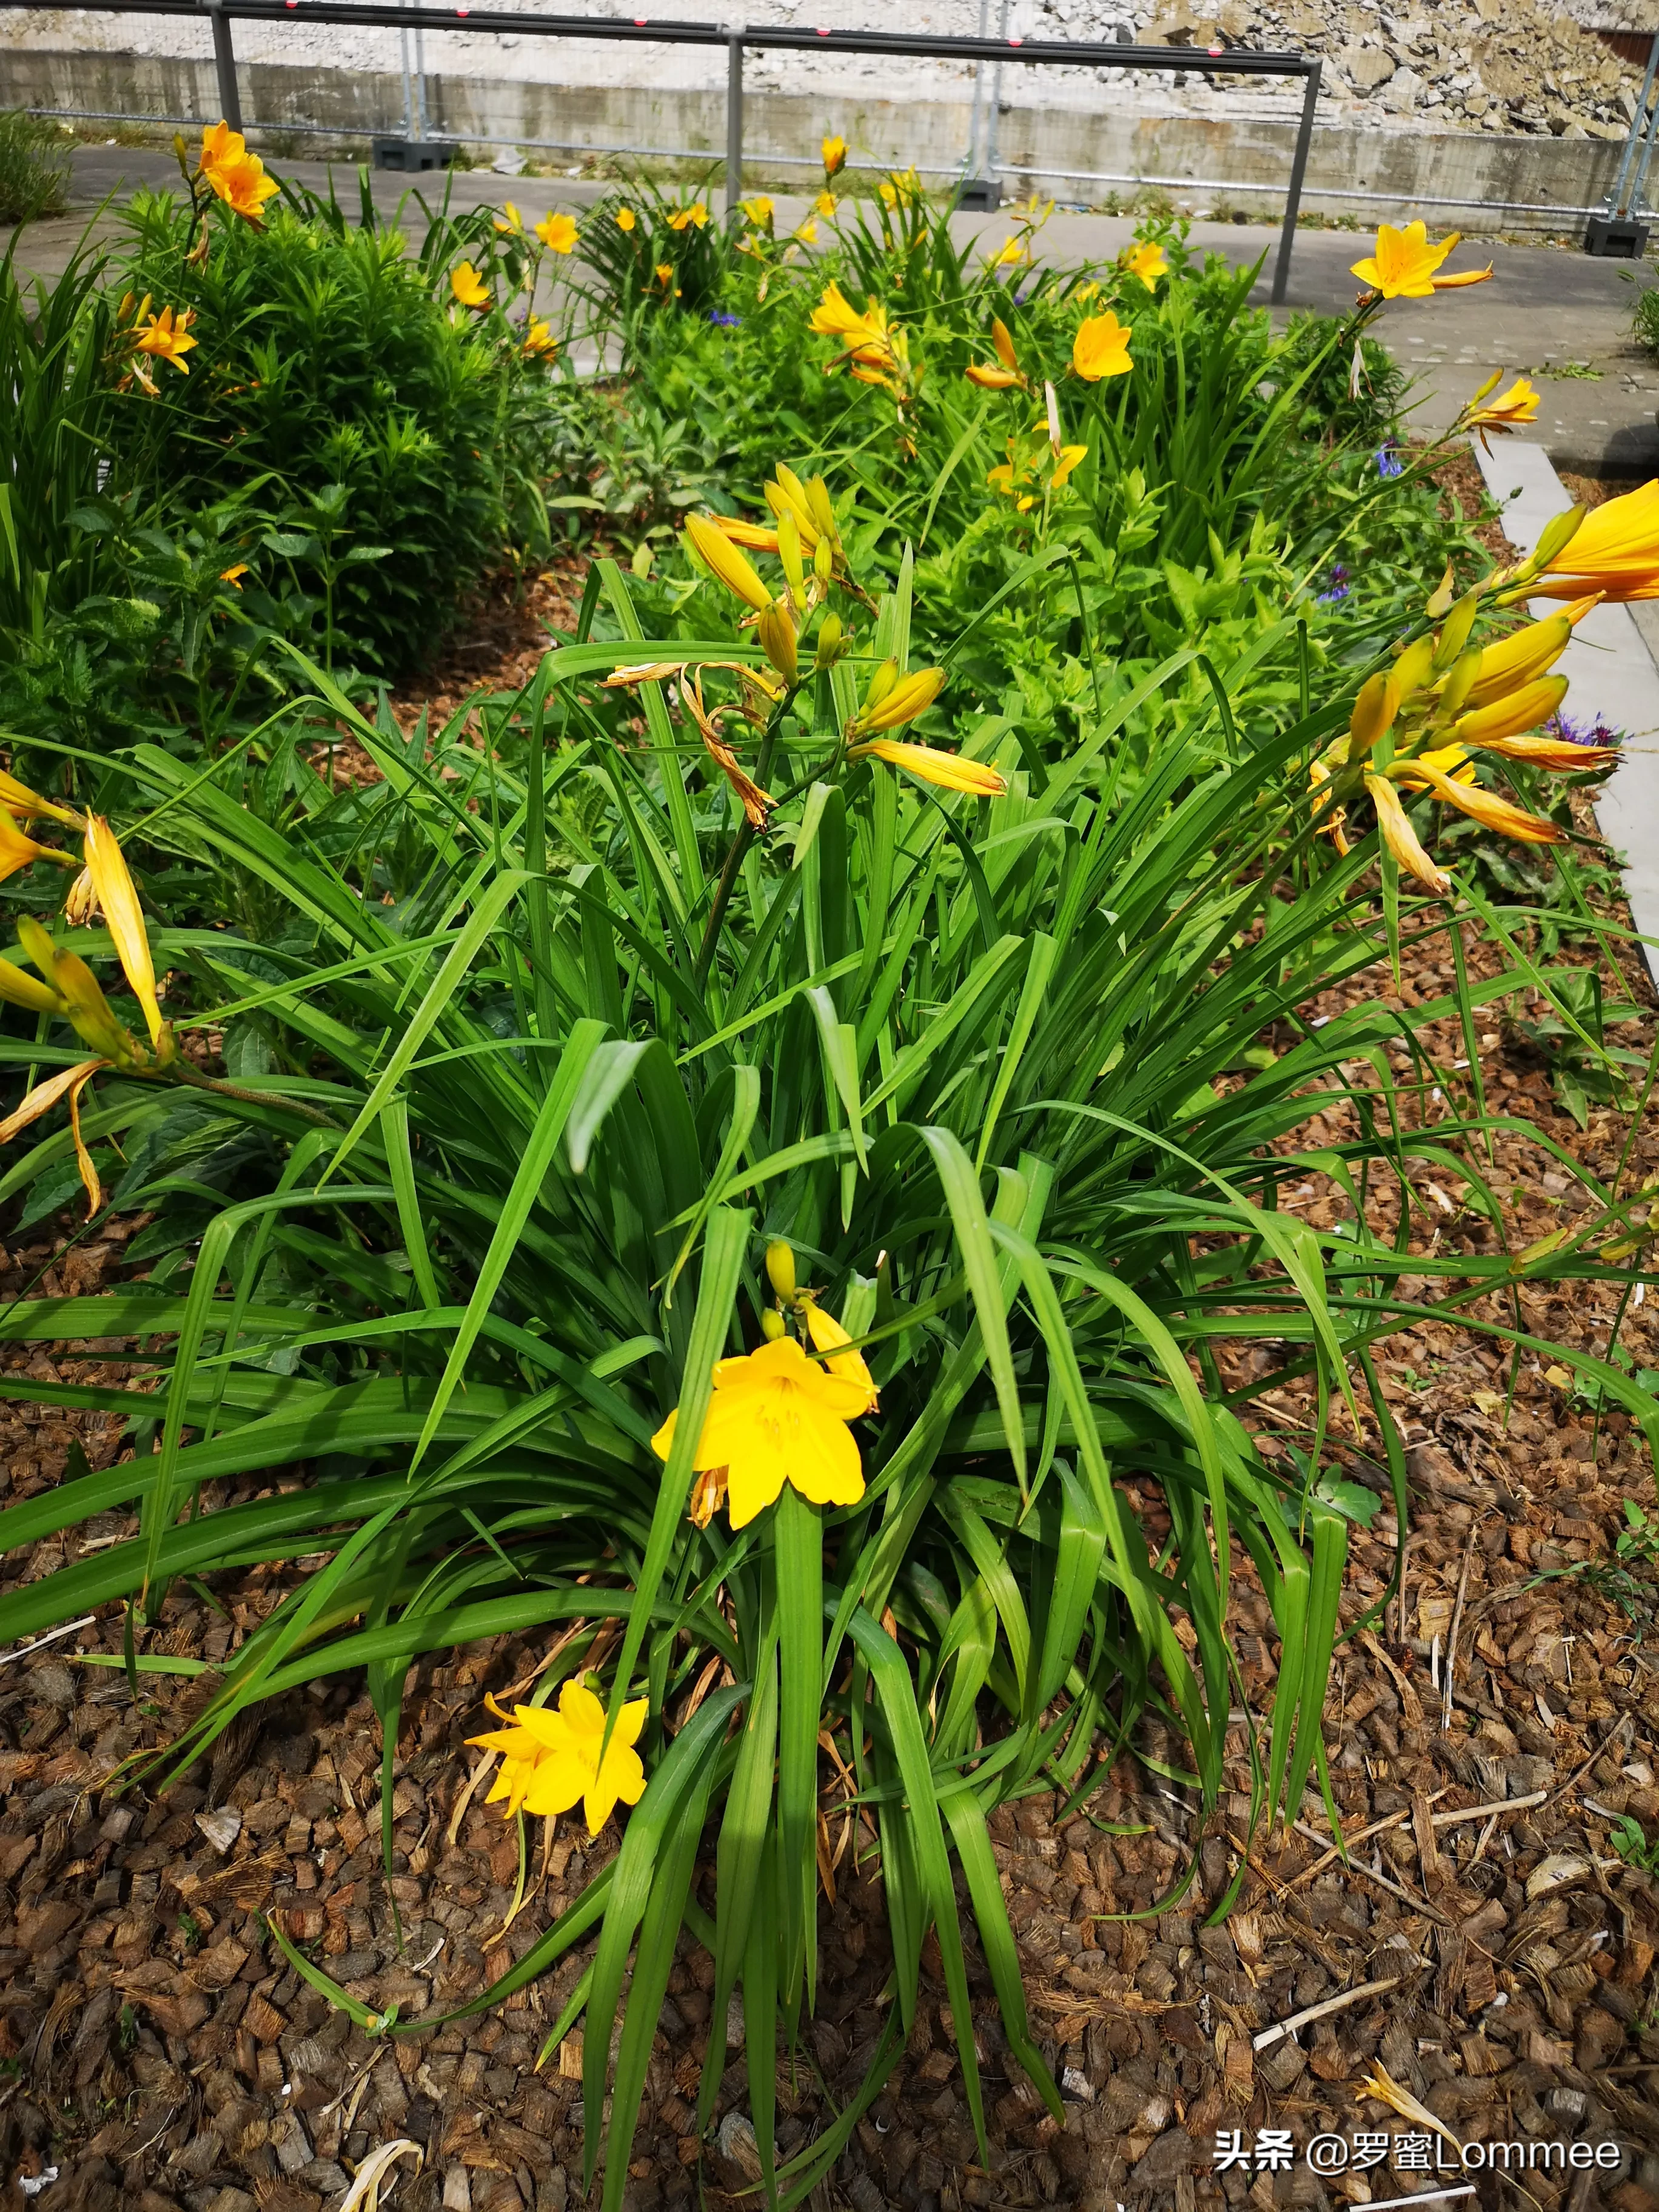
column 489, row 22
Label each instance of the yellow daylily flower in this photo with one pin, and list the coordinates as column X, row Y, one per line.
column 113, row 881
column 949, row 770
column 1011, row 253
column 1484, row 806
column 807, row 232
column 758, row 211
column 1147, row 261
column 550, row 1760
column 1332, row 820
column 469, row 287
column 901, row 188
column 557, row 233
column 1520, row 657
column 234, row 575
column 19, row 800
column 777, row 1417
column 509, row 221
column 835, row 156
column 1101, row 348
column 1510, row 409
column 825, row 204
column 1065, row 461
column 539, row 342
column 234, row 175
column 874, row 351
column 1404, row 265
column 167, row 337
column 18, row 849
column 1004, row 374
column 83, row 1001
column 695, row 215
column 1615, row 550
column 718, row 553
column 1560, row 754
column 753, row 534
column 776, row 633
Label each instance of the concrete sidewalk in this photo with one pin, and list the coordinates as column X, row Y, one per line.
column 1546, row 308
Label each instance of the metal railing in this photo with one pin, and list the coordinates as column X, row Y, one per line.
column 379, row 15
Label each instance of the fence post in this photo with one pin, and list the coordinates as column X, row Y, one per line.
column 1293, row 197
column 733, row 124
column 224, row 67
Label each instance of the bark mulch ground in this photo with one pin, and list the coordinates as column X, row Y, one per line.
column 1484, row 1946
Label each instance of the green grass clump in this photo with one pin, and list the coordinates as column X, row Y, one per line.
column 34, row 167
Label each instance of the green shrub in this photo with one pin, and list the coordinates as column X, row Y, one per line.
column 378, row 435
column 34, row 167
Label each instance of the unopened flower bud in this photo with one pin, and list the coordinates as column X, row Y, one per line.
column 771, row 1324
column 789, row 554
column 781, row 1268
column 776, row 634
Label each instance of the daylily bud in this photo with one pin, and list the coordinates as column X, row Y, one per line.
column 722, row 557
column 1455, row 632
column 781, row 1268
column 772, row 1324
column 1373, row 714
column 880, row 684
column 777, row 635
column 1556, row 537
column 823, row 560
column 817, row 500
column 789, row 554
column 904, row 701
column 1455, row 692
column 1521, row 711
column 1441, row 600
column 1415, row 666
column 831, row 643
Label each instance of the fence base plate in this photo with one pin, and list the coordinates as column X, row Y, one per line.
column 1615, row 237
column 412, row 153
column 982, row 194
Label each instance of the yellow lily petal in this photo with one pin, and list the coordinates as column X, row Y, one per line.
column 949, row 770
column 111, row 880
column 1401, row 838
column 720, row 555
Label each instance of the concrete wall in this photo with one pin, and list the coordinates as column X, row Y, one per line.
column 1212, row 158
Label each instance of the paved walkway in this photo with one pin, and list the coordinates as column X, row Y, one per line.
column 1547, row 309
